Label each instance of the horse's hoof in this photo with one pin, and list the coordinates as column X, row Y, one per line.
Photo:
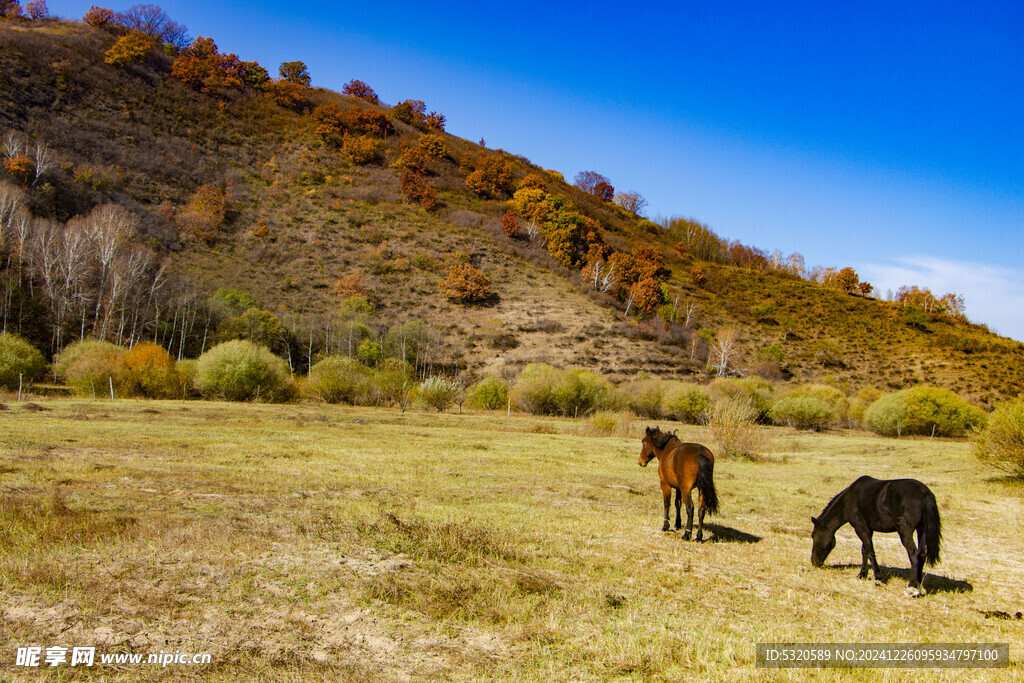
column 686, row 536
column 912, row 592
column 862, row 575
column 699, row 538
column 666, row 528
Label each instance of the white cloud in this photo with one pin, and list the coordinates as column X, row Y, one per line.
column 994, row 295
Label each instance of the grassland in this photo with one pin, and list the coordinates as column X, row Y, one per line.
column 306, row 542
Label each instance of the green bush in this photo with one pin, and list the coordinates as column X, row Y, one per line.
column 923, row 410
column 393, row 382
column 239, row 370
column 490, row 393
column 861, row 401
column 1001, row 442
column 732, row 422
column 90, row 367
column 546, row 390
column 18, row 358
column 439, row 392
column 687, row 402
column 802, row 412
column 339, row 379
column 811, row 406
column 758, row 391
column 612, row 423
column 645, row 397
column 72, row 352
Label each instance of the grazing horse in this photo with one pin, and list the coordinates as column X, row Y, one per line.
column 682, row 466
column 905, row 506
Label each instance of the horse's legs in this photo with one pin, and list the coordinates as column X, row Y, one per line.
column 700, row 518
column 666, row 494
column 867, row 552
column 679, row 502
column 907, row 536
column 689, row 515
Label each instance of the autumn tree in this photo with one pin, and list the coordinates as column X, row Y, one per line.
column 596, row 184
column 633, row 202
column 531, row 180
column 295, row 72
column 202, row 217
column 845, row 280
column 330, row 122
column 412, row 112
column 131, row 48
column 98, row 16
column 417, row 189
column 10, row 8
column 492, row 176
column 724, row 349
column 433, row 145
column 153, row 21
column 465, row 284
column 360, row 89
column 288, row 95
column 37, row 9
column 510, row 224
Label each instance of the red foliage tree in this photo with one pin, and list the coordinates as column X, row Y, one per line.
column 360, row 89
column 98, row 16
column 510, row 224
column 417, row 189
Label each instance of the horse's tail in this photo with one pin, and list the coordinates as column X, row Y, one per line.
column 932, row 529
column 706, row 482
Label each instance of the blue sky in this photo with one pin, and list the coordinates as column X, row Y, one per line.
column 882, row 135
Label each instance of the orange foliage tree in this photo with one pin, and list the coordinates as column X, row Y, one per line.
column 330, row 122
column 131, row 48
column 202, row 217
column 288, row 95
column 492, row 177
column 417, row 189
column 368, row 122
column 465, row 283
column 21, row 168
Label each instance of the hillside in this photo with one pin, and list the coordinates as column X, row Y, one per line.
column 302, row 205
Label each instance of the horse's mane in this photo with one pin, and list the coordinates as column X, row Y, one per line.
column 660, row 439
column 834, row 503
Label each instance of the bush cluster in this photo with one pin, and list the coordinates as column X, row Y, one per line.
column 545, row 390
column 19, row 361
column 925, row 411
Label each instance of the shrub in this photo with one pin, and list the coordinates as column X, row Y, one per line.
column 756, row 390
column 925, row 411
column 645, row 397
column 546, row 390
column 1001, row 442
column 612, row 423
column 370, row 353
column 19, row 361
column 433, row 145
column 732, row 422
column 802, row 412
column 687, row 402
column 439, row 392
column 361, row 150
column 393, row 382
column 89, row 367
column 466, row 284
column 239, row 370
column 288, row 95
column 339, row 379
column 417, row 189
column 860, row 402
column 130, row 49
column 21, row 168
column 510, row 224
column 149, row 372
column 490, row 393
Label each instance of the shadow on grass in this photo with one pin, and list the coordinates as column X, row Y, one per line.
column 933, row 583
column 725, row 534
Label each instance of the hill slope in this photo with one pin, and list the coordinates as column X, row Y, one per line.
column 299, row 225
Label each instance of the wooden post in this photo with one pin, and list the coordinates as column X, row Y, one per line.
column 111, row 380
column 20, row 375
column 509, row 413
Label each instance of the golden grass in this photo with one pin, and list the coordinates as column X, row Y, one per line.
column 325, row 543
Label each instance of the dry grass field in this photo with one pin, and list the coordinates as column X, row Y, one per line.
column 304, row 542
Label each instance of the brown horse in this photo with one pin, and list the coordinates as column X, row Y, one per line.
column 682, row 466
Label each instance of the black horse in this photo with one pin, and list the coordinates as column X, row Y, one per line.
column 901, row 505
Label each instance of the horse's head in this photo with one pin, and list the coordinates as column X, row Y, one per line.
column 647, row 451
column 822, row 542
